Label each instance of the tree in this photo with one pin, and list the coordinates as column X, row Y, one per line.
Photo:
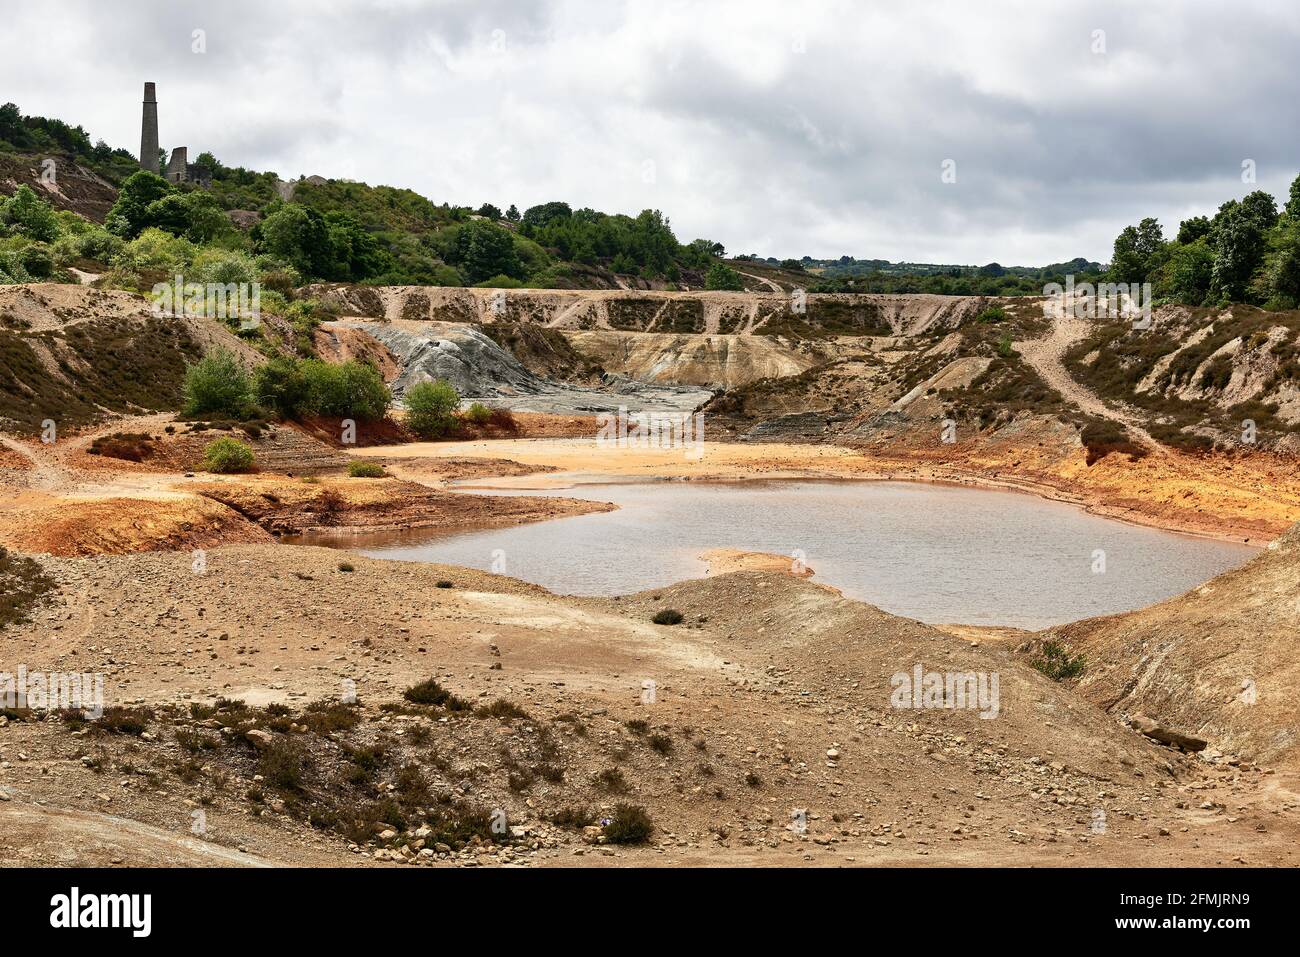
column 512, row 213
column 1284, row 267
column 129, row 214
column 700, row 252
column 218, row 386
column 430, row 408
column 489, row 211
column 1239, row 243
column 27, row 213
column 1187, row 275
column 1136, row 251
column 1192, row 229
column 11, row 124
column 722, row 276
column 1293, row 203
column 354, row 254
column 535, row 217
column 206, row 219
column 210, row 163
column 349, row 390
column 170, row 213
column 485, row 249
column 299, row 236
column 281, row 388
column 1261, row 207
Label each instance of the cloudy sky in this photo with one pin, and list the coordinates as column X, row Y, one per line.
column 818, row 128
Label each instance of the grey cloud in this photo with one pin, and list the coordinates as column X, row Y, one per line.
column 835, row 149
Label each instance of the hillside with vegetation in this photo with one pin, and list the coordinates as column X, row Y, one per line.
column 251, row 224
column 847, row 274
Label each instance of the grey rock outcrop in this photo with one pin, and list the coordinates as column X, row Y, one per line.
column 482, row 371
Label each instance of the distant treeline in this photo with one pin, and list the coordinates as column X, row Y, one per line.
column 990, row 280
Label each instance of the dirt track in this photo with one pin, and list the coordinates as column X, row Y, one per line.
column 1045, row 356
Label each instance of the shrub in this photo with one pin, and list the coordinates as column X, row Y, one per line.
column 349, row 390
column 1101, row 437
column 227, row 455
column 27, row 213
column 37, row 259
column 282, row 389
column 612, row 780
column 359, row 469
column 328, row 504
column 217, row 386
column 128, row 446
column 503, row 709
column 430, row 408
column 194, row 742
column 281, row 764
column 118, row 720
column 1055, row 661
column 504, row 420
column 629, row 824
column 722, row 276
column 23, row 584
column 572, row 818
column 323, row 717
column 667, row 616
column 216, row 265
column 479, row 414
column 661, row 743
column 430, row 692
column 991, row 314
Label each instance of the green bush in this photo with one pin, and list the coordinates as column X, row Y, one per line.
column 227, row 455
column 27, row 213
column 37, row 259
column 1055, row 661
column 217, row 387
column 358, row 469
column 282, row 389
column 353, row 390
column 722, row 276
column 479, row 414
column 222, row 266
column 430, row 408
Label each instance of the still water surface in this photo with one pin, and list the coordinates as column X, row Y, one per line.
column 937, row 553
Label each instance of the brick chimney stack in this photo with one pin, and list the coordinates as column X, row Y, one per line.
column 149, row 131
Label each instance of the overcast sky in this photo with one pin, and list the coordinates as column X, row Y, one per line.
column 818, row 128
